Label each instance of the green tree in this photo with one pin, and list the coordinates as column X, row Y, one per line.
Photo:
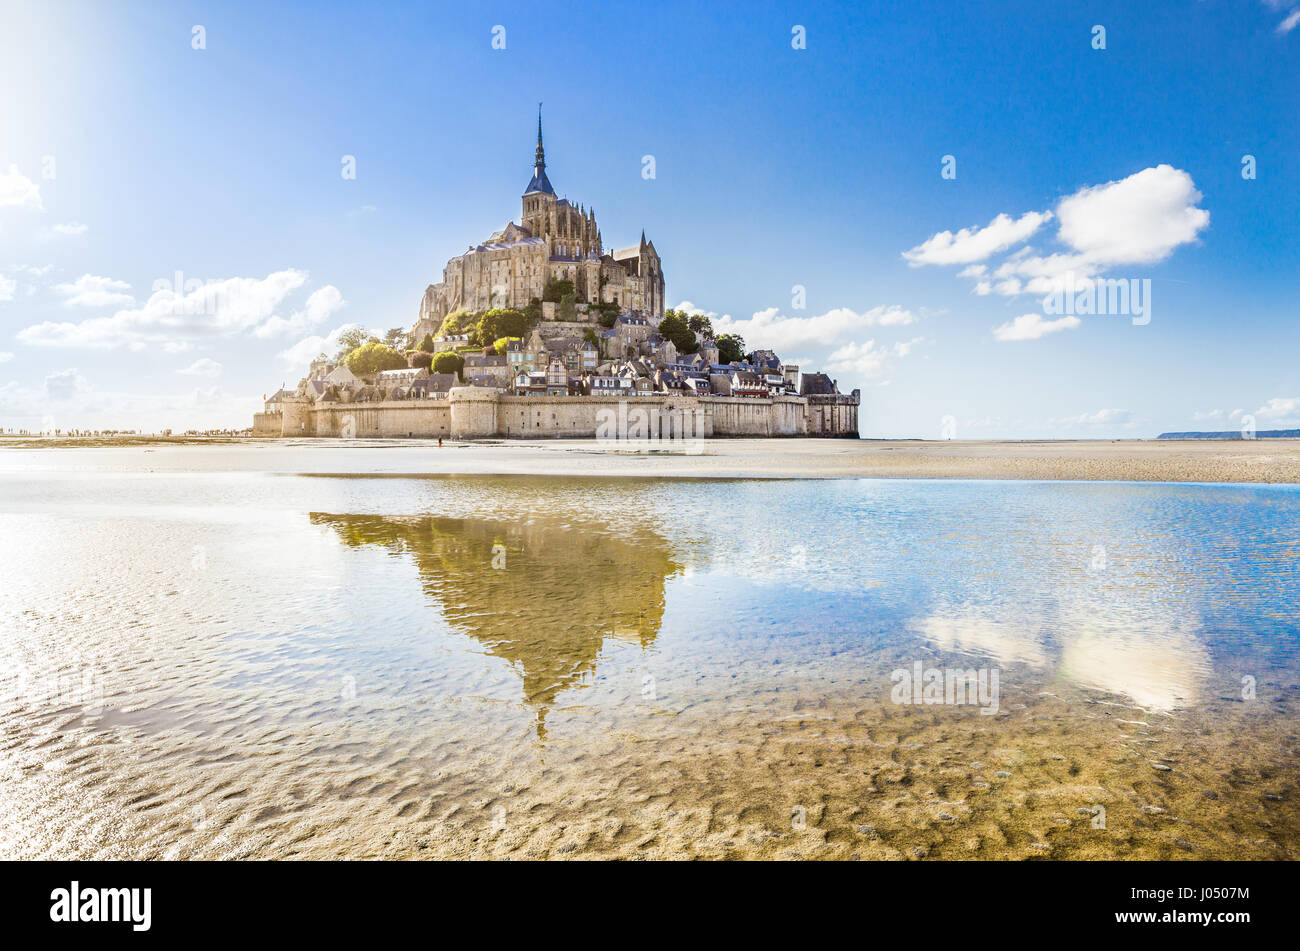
column 700, row 325
column 533, row 311
column 502, row 322
column 427, row 343
column 448, row 362
column 674, row 327
column 418, row 358
column 502, row 342
column 567, row 309
column 607, row 313
column 731, row 347
column 395, row 338
column 373, row 356
column 350, row 340
column 457, row 322
column 589, row 335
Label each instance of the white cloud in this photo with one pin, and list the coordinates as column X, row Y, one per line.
column 170, row 318
column 320, row 306
column 904, row 347
column 1032, row 327
column 976, row 244
column 71, row 228
column 1042, row 275
column 67, row 401
column 1103, row 417
column 1280, row 410
column 202, row 367
column 19, row 191
column 866, row 361
column 90, row 290
column 308, row 349
column 772, row 330
column 1140, row 219
column 65, row 384
column 7, row 287
column 1136, row 220
column 1213, row 415
column 863, row 360
column 687, row 307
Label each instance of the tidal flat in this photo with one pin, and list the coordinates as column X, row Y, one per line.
column 1105, row 460
column 257, row 651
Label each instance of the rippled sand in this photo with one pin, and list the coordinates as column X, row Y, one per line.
column 735, row 777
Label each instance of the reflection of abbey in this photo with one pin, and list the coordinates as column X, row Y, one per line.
column 541, row 331
column 554, row 240
column 495, row 581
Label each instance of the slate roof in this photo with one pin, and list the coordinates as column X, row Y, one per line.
column 539, row 182
column 817, row 384
column 434, row 383
column 503, row 245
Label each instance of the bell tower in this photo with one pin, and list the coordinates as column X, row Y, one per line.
column 539, row 197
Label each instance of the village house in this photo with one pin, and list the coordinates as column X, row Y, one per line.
column 275, row 403
column 451, row 342
column 432, row 386
column 747, row 383
column 530, row 383
column 608, row 386
column 527, row 355
column 817, row 384
column 401, row 377
column 342, row 376
column 489, row 364
column 557, row 378
column 697, row 383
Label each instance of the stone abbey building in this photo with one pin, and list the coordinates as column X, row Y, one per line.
column 554, row 239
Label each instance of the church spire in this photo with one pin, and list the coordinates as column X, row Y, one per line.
column 540, row 161
column 539, row 182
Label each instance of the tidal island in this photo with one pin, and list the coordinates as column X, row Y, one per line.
column 543, row 331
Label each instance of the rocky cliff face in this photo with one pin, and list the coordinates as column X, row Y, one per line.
column 433, row 307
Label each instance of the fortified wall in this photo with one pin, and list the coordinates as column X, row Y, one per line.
column 471, row 411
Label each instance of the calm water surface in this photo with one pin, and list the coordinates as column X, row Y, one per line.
column 210, row 665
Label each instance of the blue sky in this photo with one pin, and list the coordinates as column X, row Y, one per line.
column 128, row 156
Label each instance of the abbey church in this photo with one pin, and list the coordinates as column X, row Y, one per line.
column 554, row 239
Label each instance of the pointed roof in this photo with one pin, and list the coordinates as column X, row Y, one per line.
column 539, row 181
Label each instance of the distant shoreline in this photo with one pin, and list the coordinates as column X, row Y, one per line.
column 1235, row 434
column 1130, row 460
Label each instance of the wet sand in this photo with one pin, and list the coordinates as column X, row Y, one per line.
column 1150, row 460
